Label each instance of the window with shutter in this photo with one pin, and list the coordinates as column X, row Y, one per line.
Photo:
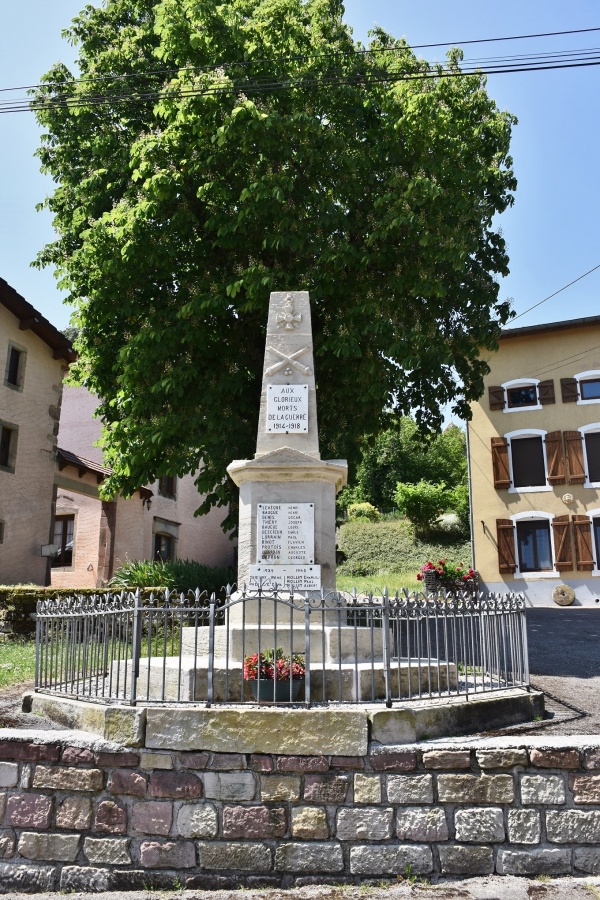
column 563, row 550
column 582, row 527
column 528, row 465
column 506, row 546
column 496, row 397
column 569, row 390
column 574, row 452
column 555, row 457
column 546, row 392
column 596, row 533
column 524, row 395
column 591, row 441
column 534, row 545
column 500, row 464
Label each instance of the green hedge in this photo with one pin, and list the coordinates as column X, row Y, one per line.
column 18, row 603
column 370, row 547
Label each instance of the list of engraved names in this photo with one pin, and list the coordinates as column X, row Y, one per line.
column 286, row 533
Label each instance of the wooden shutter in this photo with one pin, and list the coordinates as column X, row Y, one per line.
column 563, row 550
column 500, row 462
column 583, row 543
column 496, row 395
column 506, row 545
column 568, row 390
column 546, row 392
column 555, row 458
column 574, row 448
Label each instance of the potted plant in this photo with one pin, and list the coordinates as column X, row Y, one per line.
column 271, row 673
column 451, row 577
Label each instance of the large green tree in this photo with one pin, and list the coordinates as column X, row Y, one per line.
column 212, row 152
column 400, row 453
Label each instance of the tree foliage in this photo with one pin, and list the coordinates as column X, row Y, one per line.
column 401, row 453
column 422, row 503
column 213, row 152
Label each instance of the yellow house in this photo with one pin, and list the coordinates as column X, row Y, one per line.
column 534, row 458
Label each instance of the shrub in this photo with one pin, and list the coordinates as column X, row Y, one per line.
column 371, row 547
column 364, row 512
column 422, row 503
column 460, row 505
column 18, row 604
column 179, row 575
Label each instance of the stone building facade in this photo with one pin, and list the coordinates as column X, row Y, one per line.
column 34, row 357
column 99, row 535
column 534, row 452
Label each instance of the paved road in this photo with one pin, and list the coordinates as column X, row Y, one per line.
column 564, row 661
column 493, row 888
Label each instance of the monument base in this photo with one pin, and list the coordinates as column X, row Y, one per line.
column 330, row 643
column 342, row 731
column 186, row 679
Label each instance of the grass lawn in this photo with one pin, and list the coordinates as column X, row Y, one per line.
column 392, row 580
column 17, row 661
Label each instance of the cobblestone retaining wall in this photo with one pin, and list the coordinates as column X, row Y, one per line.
column 78, row 818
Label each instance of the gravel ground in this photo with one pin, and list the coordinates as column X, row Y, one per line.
column 505, row 887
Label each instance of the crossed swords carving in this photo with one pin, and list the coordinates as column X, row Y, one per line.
column 289, row 361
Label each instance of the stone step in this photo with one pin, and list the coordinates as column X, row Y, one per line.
column 167, row 679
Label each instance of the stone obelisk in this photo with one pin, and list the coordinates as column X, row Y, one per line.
column 287, row 492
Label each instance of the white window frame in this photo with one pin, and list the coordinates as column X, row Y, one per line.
column 587, row 429
column 521, row 382
column 586, row 376
column 515, row 435
column 594, row 514
column 534, row 515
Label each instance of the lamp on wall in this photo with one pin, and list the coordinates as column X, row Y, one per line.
column 147, row 502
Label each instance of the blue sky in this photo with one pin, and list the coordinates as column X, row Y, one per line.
column 551, row 231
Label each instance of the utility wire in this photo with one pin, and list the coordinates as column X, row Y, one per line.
column 559, row 291
column 301, row 57
column 264, row 86
column 566, row 359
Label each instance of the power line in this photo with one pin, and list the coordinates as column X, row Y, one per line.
column 514, row 37
column 566, row 359
column 559, row 291
column 299, row 58
column 265, row 86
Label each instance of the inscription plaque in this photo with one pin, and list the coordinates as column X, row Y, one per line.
column 297, row 578
column 287, row 408
column 285, row 533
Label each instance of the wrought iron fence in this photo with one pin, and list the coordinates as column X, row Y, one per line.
column 279, row 647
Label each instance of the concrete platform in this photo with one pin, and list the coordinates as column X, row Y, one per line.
column 338, row 730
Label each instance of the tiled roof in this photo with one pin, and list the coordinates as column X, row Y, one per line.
column 30, row 319
column 85, row 466
column 549, row 326
column 89, row 467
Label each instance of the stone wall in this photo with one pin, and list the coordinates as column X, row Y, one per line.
column 92, row 817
